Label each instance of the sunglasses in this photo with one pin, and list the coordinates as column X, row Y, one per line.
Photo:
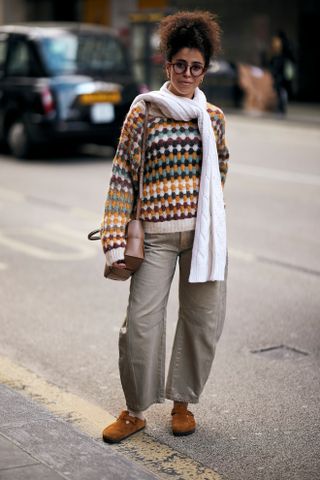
column 196, row 69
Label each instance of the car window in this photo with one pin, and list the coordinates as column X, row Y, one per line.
column 3, row 51
column 100, row 53
column 22, row 60
column 18, row 62
column 71, row 53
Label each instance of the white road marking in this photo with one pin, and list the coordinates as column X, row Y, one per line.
column 62, row 232
column 11, row 195
column 275, row 174
column 17, row 197
column 87, row 214
column 53, row 233
column 248, row 257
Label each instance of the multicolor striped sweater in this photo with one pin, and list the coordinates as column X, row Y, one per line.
column 171, row 175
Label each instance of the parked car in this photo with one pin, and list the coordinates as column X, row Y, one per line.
column 221, row 84
column 62, row 83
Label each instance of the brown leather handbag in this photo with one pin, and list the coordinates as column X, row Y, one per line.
column 134, row 250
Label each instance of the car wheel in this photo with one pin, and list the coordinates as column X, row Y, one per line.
column 18, row 139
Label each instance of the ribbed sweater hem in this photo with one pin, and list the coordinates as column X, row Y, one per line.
column 170, row 226
column 114, row 255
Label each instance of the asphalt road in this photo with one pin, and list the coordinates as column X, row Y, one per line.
column 259, row 414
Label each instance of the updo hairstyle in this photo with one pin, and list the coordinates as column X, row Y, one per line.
column 198, row 29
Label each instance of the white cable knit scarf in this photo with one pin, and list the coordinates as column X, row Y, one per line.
column 210, row 244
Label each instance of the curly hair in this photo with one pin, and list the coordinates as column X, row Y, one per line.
column 198, row 29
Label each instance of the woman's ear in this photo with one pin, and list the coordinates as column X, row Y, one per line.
column 202, row 77
column 167, row 69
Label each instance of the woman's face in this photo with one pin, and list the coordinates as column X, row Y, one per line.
column 184, row 83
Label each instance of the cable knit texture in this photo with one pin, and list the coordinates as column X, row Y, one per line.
column 175, row 157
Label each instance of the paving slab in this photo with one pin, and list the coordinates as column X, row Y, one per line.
column 30, row 472
column 12, row 456
column 16, row 411
column 37, row 445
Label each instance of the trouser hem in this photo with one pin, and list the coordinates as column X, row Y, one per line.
column 181, row 398
column 142, row 408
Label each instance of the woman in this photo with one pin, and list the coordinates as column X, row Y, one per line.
column 183, row 219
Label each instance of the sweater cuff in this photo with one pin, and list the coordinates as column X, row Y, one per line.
column 114, row 255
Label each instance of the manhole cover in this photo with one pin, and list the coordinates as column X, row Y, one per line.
column 280, row 352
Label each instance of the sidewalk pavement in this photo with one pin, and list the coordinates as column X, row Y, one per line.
column 298, row 113
column 36, row 445
column 304, row 113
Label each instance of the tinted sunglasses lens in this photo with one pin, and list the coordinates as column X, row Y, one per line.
column 179, row 67
column 196, row 70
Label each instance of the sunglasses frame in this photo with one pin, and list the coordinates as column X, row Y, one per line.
column 186, row 66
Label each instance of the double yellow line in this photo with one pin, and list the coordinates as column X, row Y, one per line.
column 160, row 459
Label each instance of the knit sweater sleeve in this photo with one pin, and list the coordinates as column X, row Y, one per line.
column 218, row 123
column 123, row 186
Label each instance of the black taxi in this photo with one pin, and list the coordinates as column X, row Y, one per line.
column 62, row 83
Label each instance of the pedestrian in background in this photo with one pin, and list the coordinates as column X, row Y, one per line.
column 282, row 67
column 184, row 219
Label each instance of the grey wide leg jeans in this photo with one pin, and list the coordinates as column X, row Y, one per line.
column 142, row 341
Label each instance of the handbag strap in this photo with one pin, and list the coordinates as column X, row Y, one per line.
column 143, row 153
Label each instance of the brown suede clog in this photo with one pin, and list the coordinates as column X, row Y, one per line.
column 183, row 422
column 123, row 427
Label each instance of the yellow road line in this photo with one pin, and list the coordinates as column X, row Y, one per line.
column 161, row 459
column 87, row 416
